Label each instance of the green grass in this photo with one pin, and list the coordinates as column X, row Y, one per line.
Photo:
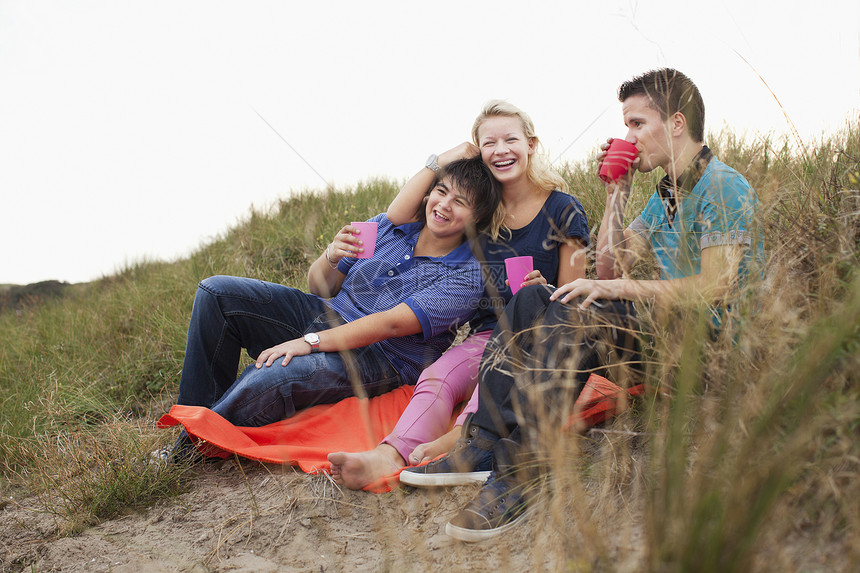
column 749, row 440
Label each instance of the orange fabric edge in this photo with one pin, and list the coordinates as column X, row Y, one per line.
column 351, row 425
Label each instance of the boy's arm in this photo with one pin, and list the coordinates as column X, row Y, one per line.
column 618, row 248
column 719, row 268
column 324, row 278
column 392, row 323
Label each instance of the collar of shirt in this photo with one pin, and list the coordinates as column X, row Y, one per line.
column 669, row 189
column 461, row 254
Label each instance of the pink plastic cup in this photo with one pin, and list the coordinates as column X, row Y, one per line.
column 517, row 269
column 367, row 235
column 619, row 158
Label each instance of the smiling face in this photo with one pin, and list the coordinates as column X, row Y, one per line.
column 650, row 132
column 505, row 148
column 449, row 210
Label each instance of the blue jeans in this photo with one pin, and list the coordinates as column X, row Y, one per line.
column 553, row 347
column 232, row 313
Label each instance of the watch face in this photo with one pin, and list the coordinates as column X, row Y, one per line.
column 432, row 163
column 313, row 339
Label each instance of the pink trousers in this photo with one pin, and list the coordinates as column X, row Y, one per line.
column 450, row 380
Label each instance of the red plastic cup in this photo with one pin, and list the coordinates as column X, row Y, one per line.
column 517, row 269
column 367, row 234
column 619, row 158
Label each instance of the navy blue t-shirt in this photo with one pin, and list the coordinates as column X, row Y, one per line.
column 561, row 216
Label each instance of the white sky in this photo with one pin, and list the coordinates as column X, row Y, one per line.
column 129, row 129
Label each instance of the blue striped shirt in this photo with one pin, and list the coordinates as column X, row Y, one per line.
column 443, row 292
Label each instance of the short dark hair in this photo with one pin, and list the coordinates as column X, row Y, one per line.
column 474, row 178
column 669, row 92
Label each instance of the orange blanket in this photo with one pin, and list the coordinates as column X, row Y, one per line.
column 351, row 425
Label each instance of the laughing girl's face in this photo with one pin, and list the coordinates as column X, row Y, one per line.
column 505, row 148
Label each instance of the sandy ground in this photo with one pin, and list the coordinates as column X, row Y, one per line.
column 262, row 518
column 269, row 518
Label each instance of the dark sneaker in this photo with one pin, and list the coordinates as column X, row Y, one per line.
column 499, row 506
column 469, row 461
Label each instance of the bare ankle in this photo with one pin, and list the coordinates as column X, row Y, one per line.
column 390, row 453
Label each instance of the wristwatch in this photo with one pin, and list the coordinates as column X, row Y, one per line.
column 432, row 164
column 313, row 339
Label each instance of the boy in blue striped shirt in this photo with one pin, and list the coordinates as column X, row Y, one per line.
column 368, row 326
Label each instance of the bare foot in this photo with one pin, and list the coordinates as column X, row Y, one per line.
column 356, row 470
column 441, row 445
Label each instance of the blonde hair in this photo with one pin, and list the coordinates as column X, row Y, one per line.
column 539, row 171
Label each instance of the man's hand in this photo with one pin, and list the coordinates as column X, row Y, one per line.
column 590, row 290
column 623, row 183
column 297, row 347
